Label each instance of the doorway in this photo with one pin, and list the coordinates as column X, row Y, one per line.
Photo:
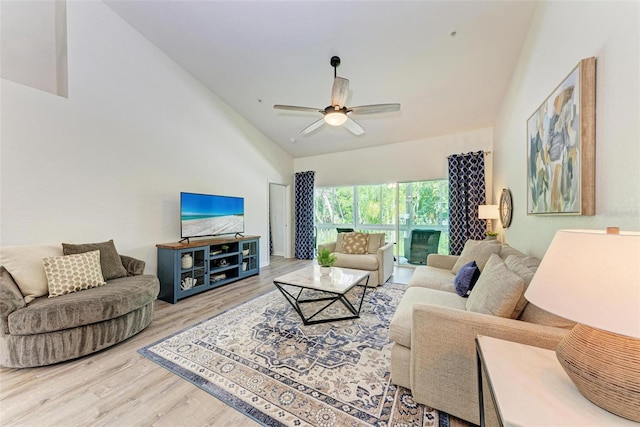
column 279, row 214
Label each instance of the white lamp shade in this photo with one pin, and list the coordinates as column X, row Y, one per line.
column 488, row 212
column 592, row 278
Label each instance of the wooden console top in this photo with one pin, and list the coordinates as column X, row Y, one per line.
column 203, row 242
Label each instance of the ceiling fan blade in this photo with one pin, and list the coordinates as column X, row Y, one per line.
column 353, row 127
column 375, row 108
column 295, row 108
column 339, row 92
column 313, row 126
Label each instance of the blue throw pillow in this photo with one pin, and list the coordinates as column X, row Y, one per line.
column 465, row 279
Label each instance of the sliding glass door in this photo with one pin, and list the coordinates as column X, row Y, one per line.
column 410, row 214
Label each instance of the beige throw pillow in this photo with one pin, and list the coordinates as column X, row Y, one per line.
column 72, row 273
column 478, row 251
column 355, row 243
column 339, row 240
column 376, row 241
column 497, row 291
column 519, row 266
column 24, row 263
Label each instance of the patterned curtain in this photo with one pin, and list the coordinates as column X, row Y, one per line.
column 303, row 214
column 466, row 192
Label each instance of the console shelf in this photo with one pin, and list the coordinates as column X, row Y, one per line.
column 186, row 269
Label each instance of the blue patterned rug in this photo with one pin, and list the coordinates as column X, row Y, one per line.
column 260, row 359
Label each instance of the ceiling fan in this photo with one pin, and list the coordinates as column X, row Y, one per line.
column 337, row 113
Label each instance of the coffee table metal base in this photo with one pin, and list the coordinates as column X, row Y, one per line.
column 295, row 299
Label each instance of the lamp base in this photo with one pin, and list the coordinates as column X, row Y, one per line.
column 605, row 367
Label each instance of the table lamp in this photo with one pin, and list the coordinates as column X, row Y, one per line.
column 489, row 212
column 593, row 278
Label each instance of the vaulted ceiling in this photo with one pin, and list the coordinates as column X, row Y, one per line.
column 448, row 63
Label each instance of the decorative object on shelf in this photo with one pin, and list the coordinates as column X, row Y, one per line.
column 188, row 283
column 244, row 266
column 326, row 260
column 223, row 263
column 216, row 252
column 561, row 147
column 187, row 261
column 592, row 277
column 506, row 208
column 218, row 277
column 245, row 252
column 225, row 248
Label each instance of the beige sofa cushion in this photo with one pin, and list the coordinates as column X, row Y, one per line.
column 478, row 251
column 400, row 327
column 376, row 241
column 497, row 291
column 433, row 278
column 24, row 263
column 356, row 261
column 506, row 251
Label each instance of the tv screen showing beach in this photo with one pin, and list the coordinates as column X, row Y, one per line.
column 210, row 215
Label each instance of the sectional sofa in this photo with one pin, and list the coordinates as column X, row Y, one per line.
column 434, row 328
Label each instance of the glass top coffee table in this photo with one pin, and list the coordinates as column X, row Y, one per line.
column 313, row 294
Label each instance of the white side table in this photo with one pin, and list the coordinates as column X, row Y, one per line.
column 530, row 388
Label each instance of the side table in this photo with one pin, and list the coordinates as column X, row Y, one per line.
column 530, row 388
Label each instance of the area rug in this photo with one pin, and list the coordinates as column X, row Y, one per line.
column 260, row 359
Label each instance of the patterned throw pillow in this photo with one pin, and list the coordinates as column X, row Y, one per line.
column 355, row 243
column 71, row 273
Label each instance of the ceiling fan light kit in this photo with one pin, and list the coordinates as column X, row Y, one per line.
column 337, row 114
column 336, row 117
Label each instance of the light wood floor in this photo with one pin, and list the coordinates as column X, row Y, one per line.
column 119, row 387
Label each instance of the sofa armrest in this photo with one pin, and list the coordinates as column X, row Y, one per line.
column 134, row 267
column 11, row 299
column 384, row 254
column 445, row 262
column 443, row 354
column 329, row 245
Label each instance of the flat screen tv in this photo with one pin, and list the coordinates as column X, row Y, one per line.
column 210, row 215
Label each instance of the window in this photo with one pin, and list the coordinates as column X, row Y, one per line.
column 373, row 208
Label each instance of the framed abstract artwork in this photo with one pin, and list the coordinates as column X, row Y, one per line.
column 561, row 147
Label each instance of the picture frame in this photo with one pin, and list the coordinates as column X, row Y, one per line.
column 561, row 147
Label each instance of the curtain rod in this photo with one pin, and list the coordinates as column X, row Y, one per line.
column 486, row 153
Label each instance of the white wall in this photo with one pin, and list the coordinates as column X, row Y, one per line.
column 406, row 161
column 563, row 33
column 33, row 40
column 110, row 161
